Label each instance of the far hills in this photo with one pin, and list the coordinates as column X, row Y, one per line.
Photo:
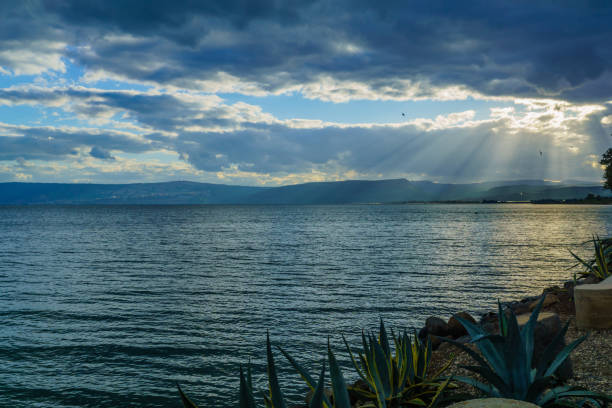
column 339, row 192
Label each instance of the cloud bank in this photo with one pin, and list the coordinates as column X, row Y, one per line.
column 142, row 84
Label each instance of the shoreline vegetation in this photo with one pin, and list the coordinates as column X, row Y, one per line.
column 521, row 352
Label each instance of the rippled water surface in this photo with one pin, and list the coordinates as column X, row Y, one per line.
column 111, row 306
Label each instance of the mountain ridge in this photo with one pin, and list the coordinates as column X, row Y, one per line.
column 331, row 192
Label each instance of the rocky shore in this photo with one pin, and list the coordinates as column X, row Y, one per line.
column 590, row 365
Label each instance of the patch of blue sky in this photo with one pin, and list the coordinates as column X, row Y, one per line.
column 364, row 111
column 23, row 115
column 110, row 84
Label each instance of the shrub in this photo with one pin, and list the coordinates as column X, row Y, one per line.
column 398, row 380
column 599, row 267
column 506, row 364
column 275, row 398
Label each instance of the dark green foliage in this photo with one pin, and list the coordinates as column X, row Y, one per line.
column 400, row 379
column 274, row 398
column 600, row 266
column 606, row 160
column 506, row 364
column 187, row 403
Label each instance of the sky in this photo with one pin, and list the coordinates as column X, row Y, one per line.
column 284, row 92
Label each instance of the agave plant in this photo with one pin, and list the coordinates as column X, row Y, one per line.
column 275, row 399
column 506, row 364
column 599, row 267
column 400, row 379
column 392, row 380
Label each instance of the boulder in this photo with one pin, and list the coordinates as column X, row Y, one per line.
column 490, row 323
column 354, row 396
column 435, row 342
column 546, row 329
column 436, row 326
column 328, row 393
column 464, row 339
column 550, row 300
column 521, row 308
column 589, row 280
column 422, row 334
column 455, row 328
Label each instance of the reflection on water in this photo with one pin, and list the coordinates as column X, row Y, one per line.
column 111, row 306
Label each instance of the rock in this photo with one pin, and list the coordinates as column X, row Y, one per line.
column 354, row 396
column 446, row 347
column 436, row 326
column 589, row 280
column 490, row 323
column 521, row 308
column 455, row 328
column 422, row 334
column 328, row 392
column 569, row 286
column 464, row 339
column 547, row 327
column 435, row 342
column 552, row 289
column 550, row 300
column 493, row 403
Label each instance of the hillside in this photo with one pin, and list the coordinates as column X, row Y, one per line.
column 340, row 192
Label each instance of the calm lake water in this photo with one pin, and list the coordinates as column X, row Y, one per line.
column 111, row 306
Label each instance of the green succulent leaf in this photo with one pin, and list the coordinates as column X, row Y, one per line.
column 341, row 397
column 276, row 395
column 246, row 391
column 319, row 394
column 563, row 355
column 187, row 403
column 486, row 389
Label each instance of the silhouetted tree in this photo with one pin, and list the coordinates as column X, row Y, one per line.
column 606, row 160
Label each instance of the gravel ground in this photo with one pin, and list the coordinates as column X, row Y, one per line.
column 592, row 360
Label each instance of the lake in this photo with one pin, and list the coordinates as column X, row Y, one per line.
column 107, row 306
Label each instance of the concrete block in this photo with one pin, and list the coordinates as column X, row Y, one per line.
column 594, row 305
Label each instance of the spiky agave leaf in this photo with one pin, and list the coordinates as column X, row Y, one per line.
column 246, row 400
column 383, row 368
column 489, row 349
column 563, row 355
column 318, row 396
column 383, row 340
column 518, row 380
column 304, row 374
column 187, row 403
column 556, row 395
column 276, row 395
column 357, row 368
column 341, row 397
column 438, row 396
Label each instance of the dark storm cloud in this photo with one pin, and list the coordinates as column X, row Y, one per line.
column 100, row 153
column 498, row 48
column 161, row 111
column 49, row 143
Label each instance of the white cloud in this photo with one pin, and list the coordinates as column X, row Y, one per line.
column 32, row 57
